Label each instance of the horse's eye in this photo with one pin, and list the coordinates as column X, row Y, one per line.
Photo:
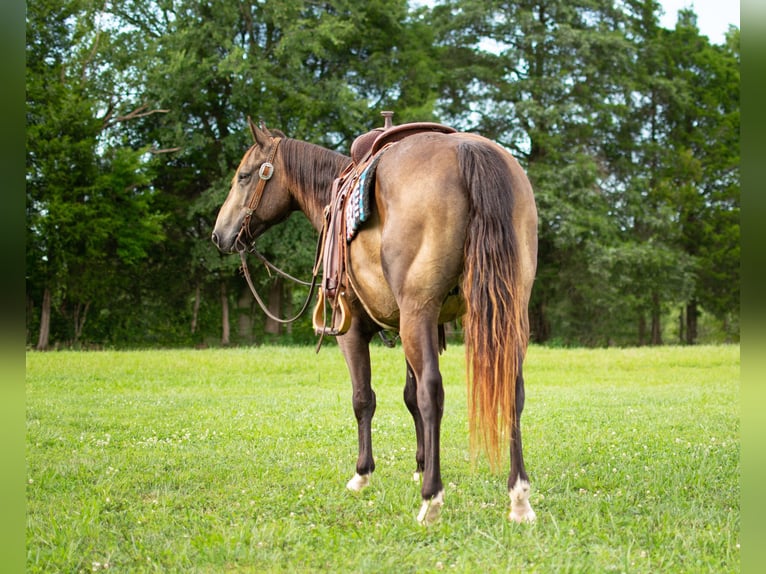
column 244, row 176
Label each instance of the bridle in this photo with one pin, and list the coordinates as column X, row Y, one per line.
column 244, row 238
column 265, row 173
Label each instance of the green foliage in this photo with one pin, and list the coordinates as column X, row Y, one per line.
column 136, row 119
column 216, row 460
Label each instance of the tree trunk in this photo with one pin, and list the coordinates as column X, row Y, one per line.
column 245, row 316
column 288, row 304
column 539, row 327
column 691, row 322
column 80, row 315
column 275, row 306
column 641, row 329
column 45, row 322
column 656, row 320
column 225, row 327
column 681, row 326
column 195, row 310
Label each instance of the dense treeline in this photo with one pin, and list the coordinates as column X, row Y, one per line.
column 136, row 118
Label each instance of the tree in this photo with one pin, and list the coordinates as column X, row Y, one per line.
column 675, row 157
column 600, row 104
column 89, row 199
column 136, row 115
column 317, row 72
column 705, row 130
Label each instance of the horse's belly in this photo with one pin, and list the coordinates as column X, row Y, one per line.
column 367, row 279
column 384, row 312
column 376, row 296
column 380, row 304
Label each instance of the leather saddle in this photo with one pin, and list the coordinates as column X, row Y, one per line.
column 372, row 142
column 366, row 151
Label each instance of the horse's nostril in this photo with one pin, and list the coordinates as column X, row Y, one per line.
column 215, row 239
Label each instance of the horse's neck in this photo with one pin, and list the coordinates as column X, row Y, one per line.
column 311, row 170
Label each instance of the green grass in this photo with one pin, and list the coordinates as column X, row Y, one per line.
column 236, row 461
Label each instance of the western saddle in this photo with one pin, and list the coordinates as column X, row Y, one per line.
column 366, row 151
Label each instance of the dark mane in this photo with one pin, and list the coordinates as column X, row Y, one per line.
column 312, row 168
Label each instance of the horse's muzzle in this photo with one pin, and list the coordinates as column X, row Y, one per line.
column 222, row 245
column 217, row 241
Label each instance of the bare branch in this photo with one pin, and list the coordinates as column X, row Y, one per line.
column 164, row 150
column 107, row 115
column 139, row 112
column 91, row 56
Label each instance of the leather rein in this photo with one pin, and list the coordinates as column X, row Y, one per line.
column 265, row 172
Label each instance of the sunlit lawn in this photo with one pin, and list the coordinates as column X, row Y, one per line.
column 236, row 460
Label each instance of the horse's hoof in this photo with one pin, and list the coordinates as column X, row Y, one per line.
column 430, row 510
column 358, row 482
column 520, row 517
column 521, row 510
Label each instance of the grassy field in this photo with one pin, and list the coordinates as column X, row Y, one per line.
column 236, row 461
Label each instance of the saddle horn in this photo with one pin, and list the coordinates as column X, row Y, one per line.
column 387, row 119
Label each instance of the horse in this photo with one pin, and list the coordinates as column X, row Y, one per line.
column 452, row 234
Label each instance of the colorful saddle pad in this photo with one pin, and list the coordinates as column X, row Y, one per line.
column 359, row 205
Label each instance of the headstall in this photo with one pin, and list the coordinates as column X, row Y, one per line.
column 265, row 173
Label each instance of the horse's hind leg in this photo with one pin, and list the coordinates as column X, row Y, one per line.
column 411, row 400
column 420, row 342
column 356, row 350
column 518, row 482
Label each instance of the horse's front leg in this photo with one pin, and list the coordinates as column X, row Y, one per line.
column 355, row 346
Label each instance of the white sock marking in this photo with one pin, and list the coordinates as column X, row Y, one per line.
column 358, row 482
column 431, row 509
column 521, row 510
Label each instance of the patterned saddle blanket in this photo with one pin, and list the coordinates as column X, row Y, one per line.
column 358, row 206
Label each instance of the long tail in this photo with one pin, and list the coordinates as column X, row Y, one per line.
column 495, row 324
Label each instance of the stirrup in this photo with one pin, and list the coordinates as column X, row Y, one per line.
column 319, row 320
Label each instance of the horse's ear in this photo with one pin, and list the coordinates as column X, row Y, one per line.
column 259, row 136
column 252, row 127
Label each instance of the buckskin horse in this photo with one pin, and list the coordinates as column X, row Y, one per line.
column 452, row 233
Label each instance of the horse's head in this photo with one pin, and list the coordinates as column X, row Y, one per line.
column 258, row 197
